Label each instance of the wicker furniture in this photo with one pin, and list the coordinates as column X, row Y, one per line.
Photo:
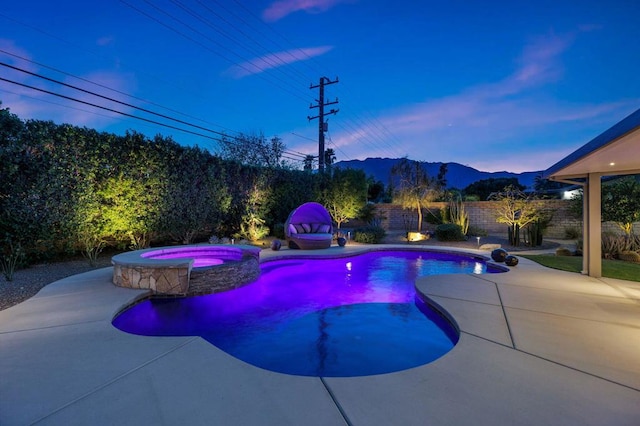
column 309, row 227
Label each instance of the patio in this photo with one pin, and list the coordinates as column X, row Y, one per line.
column 537, row 346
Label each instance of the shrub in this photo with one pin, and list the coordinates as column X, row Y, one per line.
column 572, row 233
column 92, row 245
column 458, row 215
column 367, row 213
column 629, row 256
column 369, row 235
column 563, row 251
column 613, row 245
column 449, row 232
column 10, row 260
column 476, row 231
column 252, row 232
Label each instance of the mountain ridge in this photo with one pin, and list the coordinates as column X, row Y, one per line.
column 458, row 176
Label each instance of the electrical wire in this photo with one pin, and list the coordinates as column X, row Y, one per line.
column 204, row 46
column 148, row 111
column 373, row 138
column 129, row 115
column 109, row 88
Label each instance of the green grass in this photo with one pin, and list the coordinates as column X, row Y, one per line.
column 610, row 268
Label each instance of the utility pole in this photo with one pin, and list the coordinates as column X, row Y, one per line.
column 322, row 125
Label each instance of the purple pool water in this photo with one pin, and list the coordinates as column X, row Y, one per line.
column 203, row 256
column 342, row 317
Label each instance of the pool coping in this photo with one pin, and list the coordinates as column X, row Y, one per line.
column 537, row 346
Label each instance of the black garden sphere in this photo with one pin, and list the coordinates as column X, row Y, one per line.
column 511, row 260
column 499, row 255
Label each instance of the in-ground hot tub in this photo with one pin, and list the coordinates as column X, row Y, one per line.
column 187, row 270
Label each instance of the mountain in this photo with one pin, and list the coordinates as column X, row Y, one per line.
column 458, row 176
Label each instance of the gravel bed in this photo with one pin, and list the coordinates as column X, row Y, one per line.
column 27, row 282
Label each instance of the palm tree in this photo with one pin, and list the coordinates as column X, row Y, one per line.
column 329, row 158
column 308, row 162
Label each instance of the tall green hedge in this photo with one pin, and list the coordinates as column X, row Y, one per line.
column 67, row 187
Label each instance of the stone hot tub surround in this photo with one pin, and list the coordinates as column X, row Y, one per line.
column 187, row 270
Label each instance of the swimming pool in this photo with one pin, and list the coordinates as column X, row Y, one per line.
column 343, row 317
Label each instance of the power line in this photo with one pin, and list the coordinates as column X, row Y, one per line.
column 268, row 59
column 383, row 144
column 114, row 100
column 108, row 88
column 109, row 98
column 264, row 48
column 374, row 122
column 292, row 61
column 336, row 146
column 302, row 52
column 204, row 46
column 102, row 107
column 127, row 114
column 76, row 46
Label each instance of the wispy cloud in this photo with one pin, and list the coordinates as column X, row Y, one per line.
column 274, row 60
column 105, row 41
column 540, row 61
column 482, row 126
column 281, row 8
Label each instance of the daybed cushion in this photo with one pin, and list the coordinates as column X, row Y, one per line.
column 306, row 228
column 325, row 229
column 314, row 237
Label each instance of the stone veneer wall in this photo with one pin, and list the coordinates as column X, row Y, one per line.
column 224, row 277
column 161, row 280
column 482, row 214
column 166, row 277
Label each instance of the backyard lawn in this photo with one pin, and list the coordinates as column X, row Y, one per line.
column 610, row 268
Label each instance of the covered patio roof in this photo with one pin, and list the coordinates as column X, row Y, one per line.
column 614, row 152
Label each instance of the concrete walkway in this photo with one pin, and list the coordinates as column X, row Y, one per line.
column 537, row 347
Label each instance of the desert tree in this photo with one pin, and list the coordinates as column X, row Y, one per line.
column 344, row 194
column 516, row 210
column 413, row 189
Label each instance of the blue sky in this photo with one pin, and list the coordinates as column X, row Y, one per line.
column 496, row 85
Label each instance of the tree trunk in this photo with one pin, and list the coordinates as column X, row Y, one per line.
column 419, row 219
column 514, row 235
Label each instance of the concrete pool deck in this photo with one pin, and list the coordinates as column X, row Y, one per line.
column 537, row 346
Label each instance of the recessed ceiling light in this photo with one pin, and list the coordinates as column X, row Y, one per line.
column 612, row 163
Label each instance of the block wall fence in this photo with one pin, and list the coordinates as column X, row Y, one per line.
column 482, row 214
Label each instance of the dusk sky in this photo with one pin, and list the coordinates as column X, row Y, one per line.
column 496, row 85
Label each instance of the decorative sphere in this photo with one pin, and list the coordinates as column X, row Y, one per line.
column 499, row 255
column 342, row 241
column 276, row 244
column 511, row 260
